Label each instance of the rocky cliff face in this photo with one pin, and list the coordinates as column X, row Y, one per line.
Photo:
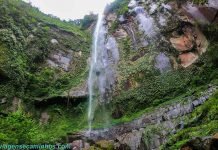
column 158, row 40
column 163, row 46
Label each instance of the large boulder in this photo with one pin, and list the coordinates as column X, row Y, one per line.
column 182, row 43
column 191, row 43
column 185, row 42
column 188, row 58
column 132, row 139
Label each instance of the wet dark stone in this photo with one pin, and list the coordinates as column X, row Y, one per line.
column 117, row 113
column 206, row 143
column 209, row 13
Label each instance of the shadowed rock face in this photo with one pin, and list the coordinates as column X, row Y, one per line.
column 196, row 14
column 209, row 13
column 205, row 143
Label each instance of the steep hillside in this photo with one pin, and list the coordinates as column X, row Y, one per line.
column 41, row 58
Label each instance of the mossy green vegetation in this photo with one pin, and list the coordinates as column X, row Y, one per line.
column 19, row 127
column 202, row 122
column 25, row 46
column 119, row 6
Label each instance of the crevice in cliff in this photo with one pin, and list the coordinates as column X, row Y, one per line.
column 64, row 101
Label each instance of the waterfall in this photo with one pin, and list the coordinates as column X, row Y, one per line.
column 105, row 56
column 99, row 36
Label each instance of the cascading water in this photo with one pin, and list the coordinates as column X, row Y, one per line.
column 105, row 56
column 97, row 46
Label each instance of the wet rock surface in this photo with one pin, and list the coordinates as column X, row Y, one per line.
column 129, row 135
